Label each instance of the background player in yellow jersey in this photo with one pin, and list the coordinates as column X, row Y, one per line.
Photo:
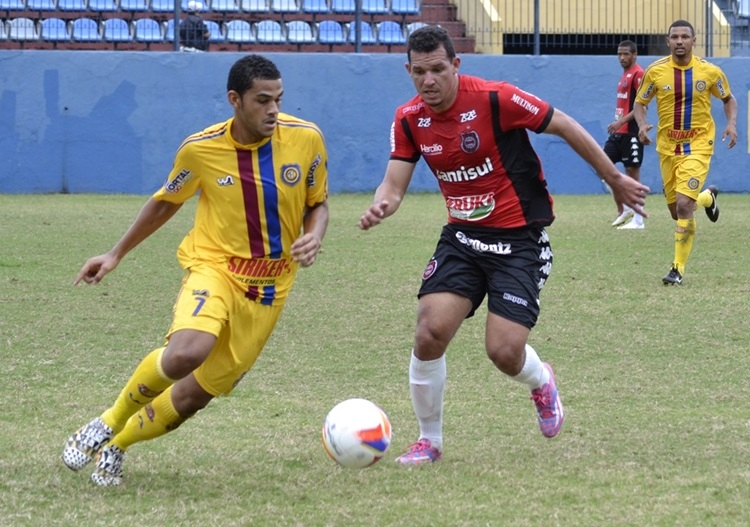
column 683, row 85
column 262, row 212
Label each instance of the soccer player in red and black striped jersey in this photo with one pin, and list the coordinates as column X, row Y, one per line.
column 262, row 180
column 472, row 133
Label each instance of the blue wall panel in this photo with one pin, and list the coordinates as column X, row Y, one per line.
column 110, row 122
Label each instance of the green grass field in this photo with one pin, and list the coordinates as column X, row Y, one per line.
column 654, row 379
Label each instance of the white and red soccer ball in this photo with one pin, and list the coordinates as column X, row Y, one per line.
column 356, row 433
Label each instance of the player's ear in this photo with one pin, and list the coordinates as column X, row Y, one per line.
column 234, row 99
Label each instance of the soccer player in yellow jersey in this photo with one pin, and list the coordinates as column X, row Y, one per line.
column 683, row 85
column 262, row 213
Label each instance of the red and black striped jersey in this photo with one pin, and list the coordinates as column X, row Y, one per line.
column 627, row 89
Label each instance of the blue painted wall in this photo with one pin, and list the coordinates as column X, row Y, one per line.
column 110, row 122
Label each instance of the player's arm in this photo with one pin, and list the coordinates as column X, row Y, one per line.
column 639, row 114
column 730, row 110
column 389, row 193
column 624, row 189
column 153, row 215
column 305, row 248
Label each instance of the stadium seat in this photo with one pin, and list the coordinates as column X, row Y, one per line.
column 168, row 30
column 255, row 6
column 134, row 6
column 367, row 34
column 405, row 7
column 117, row 30
column 12, row 5
column 331, row 32
column 103, row 6
column 85, row 30
column 22, row 28
column 162, row 6
column 224, row 6
column 269, row 32
column 3, row 30
column 315, row 6
column 390, row 32
column 413, row 26
column 184, row 5
column 217, row 34
column 148, row 30
column 299, row 32
column 54, row 30
column 374, row 7
column 284, row 6
column 71, row 5
column 239, row 32
column 41, row 5
column 343, row 6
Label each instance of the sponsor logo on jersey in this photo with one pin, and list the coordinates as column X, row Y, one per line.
column 392, row 137
column 469, row 141
column 225, row 181
column 720, row 87
column 291, row 174
column 515, row 299
column 174, row 185
column 480, row 246
column 471, row 208
column 526, row 105
column 413, row 108
column 468, row 116
column 466, row 174
column 431, row 150
column 648, row 92
column 258, row 271
column 622, row 95
column 311, row 173
column 683, row 135
column 424, row 122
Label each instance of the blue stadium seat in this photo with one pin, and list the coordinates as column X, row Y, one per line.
column 405, row 7
column 374, row 7
column 54, row 30
column 168, row 30
column 343, row 6
column 22, row 28
column 117, row 30
column 299, row 32
column 224, row 6
column 148, row 30
column 217, row 34
column 71, row 5
column 239, row 32
column 85, row 30
column 413, row 26
column 184, row 5
column 284, row 6
column 331, row 32
column 255, row 6
column 3, row 30
column 12, row 5
column 134, row 6
column 269, row 32
column 315, row 6
column 367, row 34
column 41, row 5
column 103, row 6
column 162, row 6
column 390, row 32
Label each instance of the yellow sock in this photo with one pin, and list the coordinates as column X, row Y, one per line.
column 684, row 234
column 153, row 420
column 147, row 382
column 705, row 199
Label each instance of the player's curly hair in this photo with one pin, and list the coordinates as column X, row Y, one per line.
column 429, row 38
column 249, row 68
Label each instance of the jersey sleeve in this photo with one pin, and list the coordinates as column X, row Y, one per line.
column 402, row 141
column 183, row 181
column 317, row 173
column 720, row 87
column 646, row 89
column 521, row 109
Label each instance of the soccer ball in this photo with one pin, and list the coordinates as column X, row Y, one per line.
column 356, row 433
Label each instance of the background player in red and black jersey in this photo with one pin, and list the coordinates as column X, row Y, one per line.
column 623, row 145
column 473, row 135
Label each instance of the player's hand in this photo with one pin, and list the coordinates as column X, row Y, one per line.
column 95, row 268
column 306, row 248
column 373, row 215
column 643, row 134
column 731, row 132
column 613, row 127
column 630, row 192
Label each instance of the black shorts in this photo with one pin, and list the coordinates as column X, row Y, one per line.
column 625, row 149
column 509, row 266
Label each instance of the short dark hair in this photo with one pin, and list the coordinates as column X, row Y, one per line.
column 628, row 44
column 249, row 68
column 429, row 38
column 682, row 23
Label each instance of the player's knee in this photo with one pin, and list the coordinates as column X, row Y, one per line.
column 507, row 356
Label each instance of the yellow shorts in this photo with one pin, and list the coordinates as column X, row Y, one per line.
column 209, row 301
column 683, row 174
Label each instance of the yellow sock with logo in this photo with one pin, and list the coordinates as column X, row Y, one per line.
column 146, row 383
column 684, row 234
column 705, row 199
column 153, row 420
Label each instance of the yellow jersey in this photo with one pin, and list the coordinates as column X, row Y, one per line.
column 683, row 103
column 252, row 201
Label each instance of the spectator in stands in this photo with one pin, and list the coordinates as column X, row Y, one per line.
column 473, row 135
column 623, row 145
column 193, row 31
column 683, row 85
